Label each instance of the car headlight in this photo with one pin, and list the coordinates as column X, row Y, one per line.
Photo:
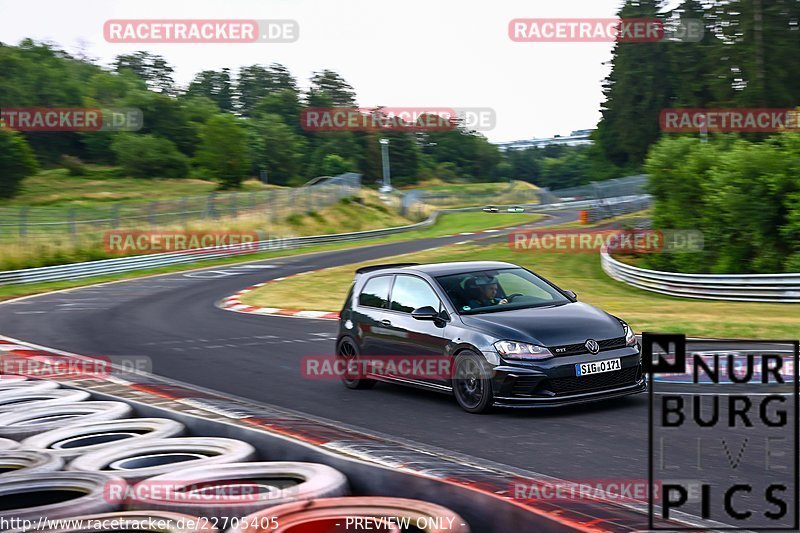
column 630, row 337
column 521, row 350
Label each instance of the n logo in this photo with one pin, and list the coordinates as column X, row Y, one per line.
column 664, row 353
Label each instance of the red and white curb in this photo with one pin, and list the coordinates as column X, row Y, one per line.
column 233, row 303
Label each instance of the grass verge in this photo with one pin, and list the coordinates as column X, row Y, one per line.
column 446, row 224
column 645, row 311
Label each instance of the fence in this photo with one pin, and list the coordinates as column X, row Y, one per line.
column 598, row 190
column 19, row 224
column 144, row 262
column 515, row 192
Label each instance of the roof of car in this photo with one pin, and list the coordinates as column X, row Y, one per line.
column 441, row 269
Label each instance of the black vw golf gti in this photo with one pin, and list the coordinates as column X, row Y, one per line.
column 505, row 336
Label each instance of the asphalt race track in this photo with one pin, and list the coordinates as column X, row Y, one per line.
column 172, row 320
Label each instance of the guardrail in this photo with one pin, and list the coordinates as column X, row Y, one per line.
column 783, row 288
column 150, row 261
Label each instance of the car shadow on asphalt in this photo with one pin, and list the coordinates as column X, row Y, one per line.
column 613, row 406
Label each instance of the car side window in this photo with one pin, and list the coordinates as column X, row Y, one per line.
column 411, row 292
column 376, row 292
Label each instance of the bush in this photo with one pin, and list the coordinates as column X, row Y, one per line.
column 743, row 196
column 335, row 165
column 73, row 164
column 148, row 156
column 16, row 162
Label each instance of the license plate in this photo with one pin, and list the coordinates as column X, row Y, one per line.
column 597, row 367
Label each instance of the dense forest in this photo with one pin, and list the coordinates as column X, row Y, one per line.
column 227, row 127
column 741, row 190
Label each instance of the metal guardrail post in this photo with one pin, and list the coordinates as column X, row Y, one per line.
column 73, row 231
column 23, row 221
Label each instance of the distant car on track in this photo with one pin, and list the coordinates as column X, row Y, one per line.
column 510, row 337
column 491, row 209
column 515, row 209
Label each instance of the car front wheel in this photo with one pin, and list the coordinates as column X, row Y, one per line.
column 471, row 383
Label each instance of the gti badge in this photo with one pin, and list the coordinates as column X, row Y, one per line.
column 592, row 346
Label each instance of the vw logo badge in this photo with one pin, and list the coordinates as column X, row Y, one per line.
column 592, row 346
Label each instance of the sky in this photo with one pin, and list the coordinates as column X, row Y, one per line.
column 395, row 53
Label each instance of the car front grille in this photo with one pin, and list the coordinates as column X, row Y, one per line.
column 580, row 348
column 606, row 380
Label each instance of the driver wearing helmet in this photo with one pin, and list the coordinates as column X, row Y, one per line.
column 484, row 290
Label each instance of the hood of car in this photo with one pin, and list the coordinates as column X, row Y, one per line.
column 548, row 326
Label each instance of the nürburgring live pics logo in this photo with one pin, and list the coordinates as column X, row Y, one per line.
column 731, row 425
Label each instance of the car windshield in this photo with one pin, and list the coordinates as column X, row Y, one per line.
column 506, row 289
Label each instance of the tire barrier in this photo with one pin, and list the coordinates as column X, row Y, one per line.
column 28, row 461
column 334, row 514
column 8, row 383
column 228, row 491
column 54, row 495
column 21, row 424
column 72, row 441
column 18, row 399
column 8, row 444
column 154, row 521
column 135, row 461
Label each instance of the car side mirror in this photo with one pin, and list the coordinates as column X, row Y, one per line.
column 425, row 313
column 571, row 294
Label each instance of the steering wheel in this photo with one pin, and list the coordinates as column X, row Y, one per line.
column 511, row 297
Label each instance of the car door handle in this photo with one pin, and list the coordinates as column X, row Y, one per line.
column 386, row 322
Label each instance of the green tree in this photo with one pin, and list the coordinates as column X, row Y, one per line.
column 276, row 148
column 149, row 156
column 215, row 85
column 166, row 117
column 333, row 86
column 636, row 91
column 256, row 82
column 223, row 151
column 153, row 69
column 16, row 162
column 285, row 103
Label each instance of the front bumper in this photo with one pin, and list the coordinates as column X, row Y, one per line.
column 554, row 382
column 571, row 399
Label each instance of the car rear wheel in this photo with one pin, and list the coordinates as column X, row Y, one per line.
column 471, row 384
column 347, row 352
